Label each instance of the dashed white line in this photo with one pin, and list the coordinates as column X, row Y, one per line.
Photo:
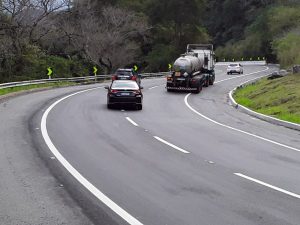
column 231, row 78
column 268, row 185
column 89, row 186
column 132, row 122
column 153, row 87
column 171, row 145
column 235, row 129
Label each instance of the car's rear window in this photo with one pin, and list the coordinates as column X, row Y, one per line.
column 233, row 65
column 124, row 73
column 124, row 85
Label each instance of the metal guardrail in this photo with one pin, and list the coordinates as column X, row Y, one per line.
column 96, row 78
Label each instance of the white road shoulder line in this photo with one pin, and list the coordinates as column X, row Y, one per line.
column 171, row 145
column 268, row 185
column 132, row 122
column 96, row 192
column 235, row 129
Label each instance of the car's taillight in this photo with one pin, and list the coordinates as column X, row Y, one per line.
column 114, row 77
column 137, row 92
column 169, row 77
column 133, row 78
column 114, row 91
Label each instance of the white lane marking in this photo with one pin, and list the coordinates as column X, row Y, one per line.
column 132, row 122
column 153, row 87
column 96, row 192
column 268, row 185
column 171, row 145
column 235, row 129
column 231, row 78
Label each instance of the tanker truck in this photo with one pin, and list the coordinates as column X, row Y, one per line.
column 193, row 70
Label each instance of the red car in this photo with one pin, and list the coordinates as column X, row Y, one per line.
column 127, row 74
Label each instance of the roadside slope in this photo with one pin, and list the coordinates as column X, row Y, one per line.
column 279, row 98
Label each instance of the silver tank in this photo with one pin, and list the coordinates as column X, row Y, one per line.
column 188, row 63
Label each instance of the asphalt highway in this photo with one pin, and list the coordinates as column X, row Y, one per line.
column 185, row 159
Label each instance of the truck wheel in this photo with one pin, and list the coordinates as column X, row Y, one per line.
column 206, row 83
column 199, row 89
column 212, row 80
column 139, row 107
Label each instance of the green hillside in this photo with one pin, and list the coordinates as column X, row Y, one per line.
column 279, row 98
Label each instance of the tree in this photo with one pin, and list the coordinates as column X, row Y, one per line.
column 110, row 38
column 180, row 18
column 23, row 18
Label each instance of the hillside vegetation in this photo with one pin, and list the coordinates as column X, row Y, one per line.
column 279, row 98
column 72, row 36
column 274, row 34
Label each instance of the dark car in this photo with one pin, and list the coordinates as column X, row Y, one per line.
column 127, row 74
column 125, row 93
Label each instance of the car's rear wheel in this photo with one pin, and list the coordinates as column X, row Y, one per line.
column 109, row 106
column 139, row 107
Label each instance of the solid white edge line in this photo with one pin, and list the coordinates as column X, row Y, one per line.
column 268, row 185
column 235, row 129
column 171, row 145
column 96, row 192
column 232, row 91
column 132, row 122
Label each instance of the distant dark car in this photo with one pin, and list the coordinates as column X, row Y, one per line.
column 127, row 74
column 125, row 93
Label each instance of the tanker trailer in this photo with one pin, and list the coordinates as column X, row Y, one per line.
column 205, row 52
column 191, row 71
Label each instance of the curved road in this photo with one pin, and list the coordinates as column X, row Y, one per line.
column 185, row 159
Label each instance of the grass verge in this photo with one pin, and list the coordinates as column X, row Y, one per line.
column 10, row 90
column 279, row 98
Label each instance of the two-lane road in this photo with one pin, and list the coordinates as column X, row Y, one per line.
column 184, row 160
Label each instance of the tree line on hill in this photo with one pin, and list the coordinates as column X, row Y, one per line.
column 72, row 36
